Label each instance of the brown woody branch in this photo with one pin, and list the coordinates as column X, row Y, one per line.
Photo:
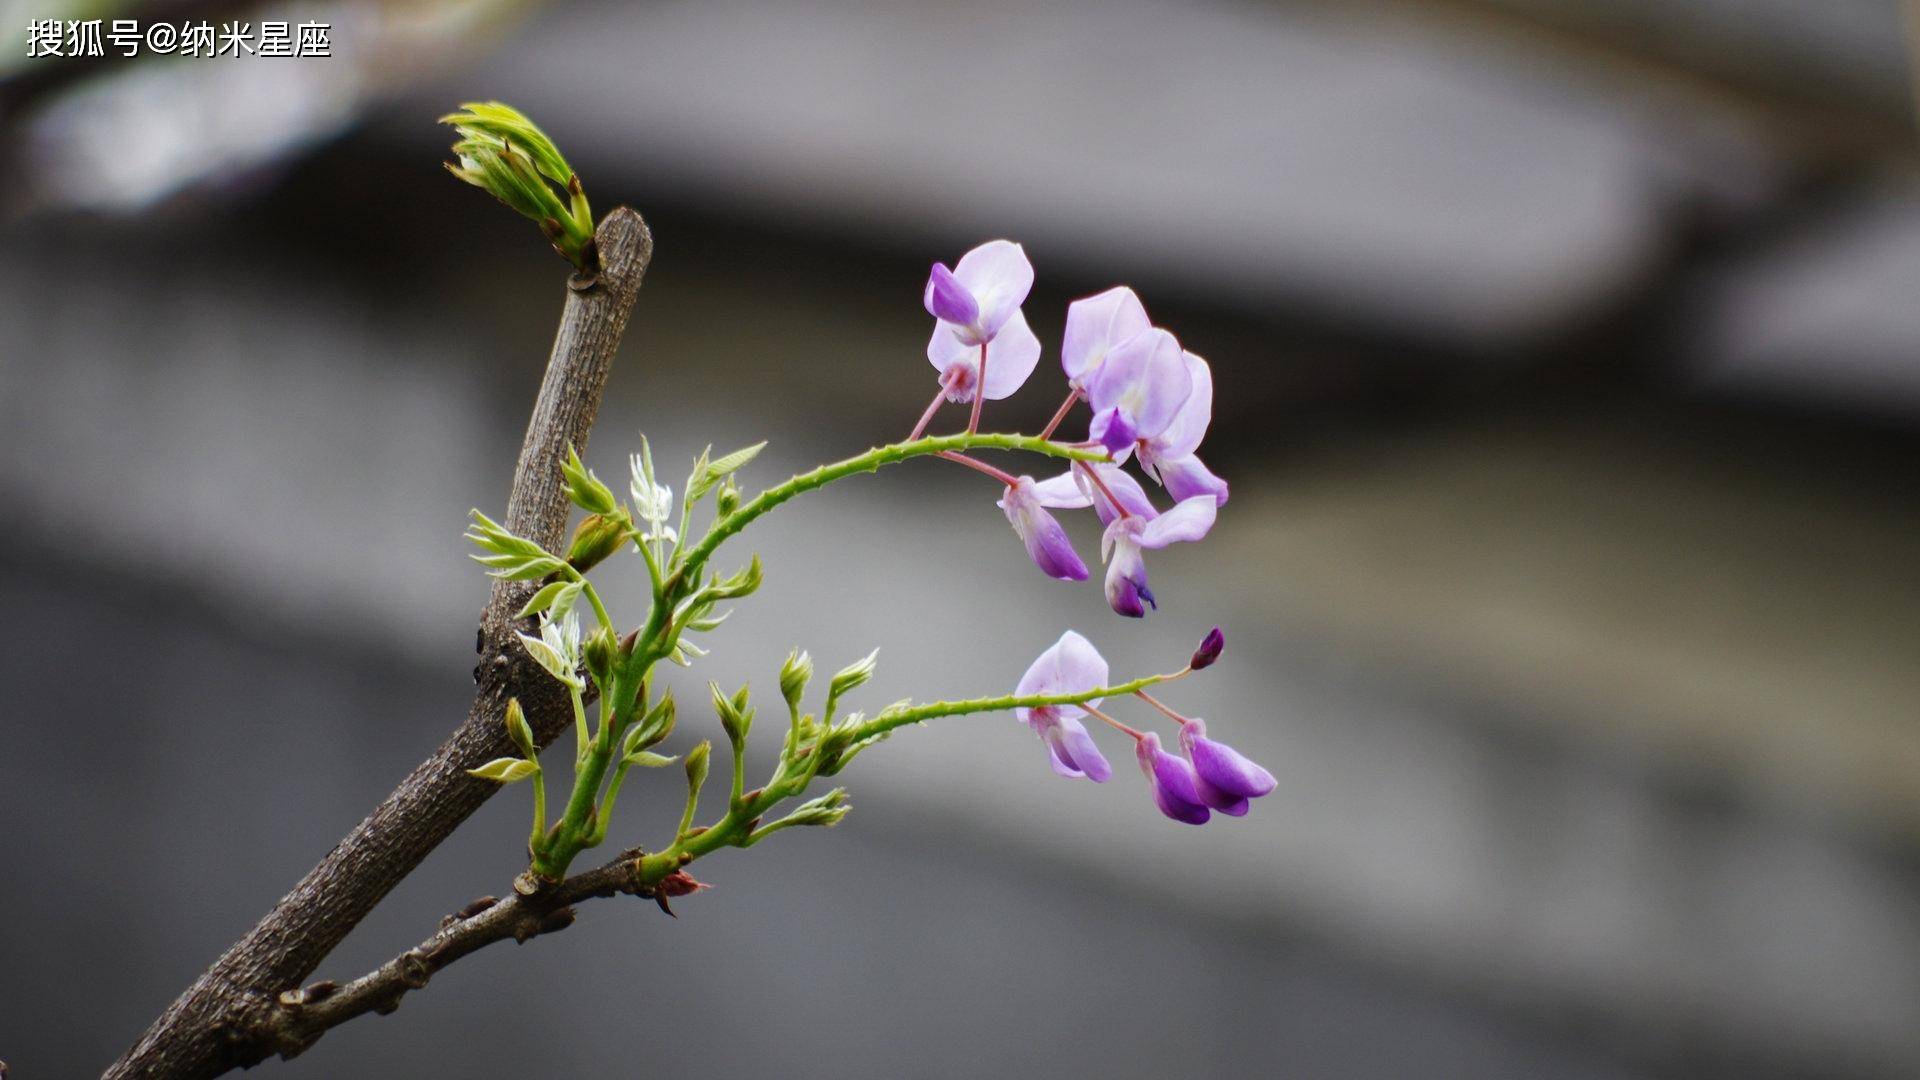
column 209, row 1028
column 299, row 1017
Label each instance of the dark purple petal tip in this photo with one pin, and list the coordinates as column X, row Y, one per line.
column 1209, row 651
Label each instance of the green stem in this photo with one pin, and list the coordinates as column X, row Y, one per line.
column 539, row 836
column 914, row 714
column 735, row 829
column 871, row 461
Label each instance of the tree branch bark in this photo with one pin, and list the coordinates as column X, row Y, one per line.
column 301, row 1016
column 213, row 1026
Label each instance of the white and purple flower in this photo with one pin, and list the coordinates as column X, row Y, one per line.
column 979, row 322
column 1224, row 778
column 1128, row 538
column 1095, row 325
column 1169, row 457
column 1070, row 666
column 1137, row 391
column 1176, row 787
column 1025, row 504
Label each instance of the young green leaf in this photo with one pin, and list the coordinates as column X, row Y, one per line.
column 505, row 770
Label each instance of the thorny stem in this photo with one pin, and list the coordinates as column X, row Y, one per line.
column 871, row 461
column 1066, row 407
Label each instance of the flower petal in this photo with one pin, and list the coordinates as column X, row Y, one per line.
column 1188, row 521
column 946, row 299
column 1189, row 425
column 1223, row 767
column 1126, row 584
column 1068, row 666
column 1061, row 492
column 1047, row 543
column 1118, row 483
column 1185, row 477
column 1145, row 378
column 1173, row 781
column 999, row 276
column 1011, row 357
column 1095, row 325
column 1074, row 752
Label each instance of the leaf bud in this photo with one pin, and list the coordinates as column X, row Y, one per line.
column 594, row 539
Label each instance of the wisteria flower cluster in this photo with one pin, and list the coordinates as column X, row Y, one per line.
column 1151, row 400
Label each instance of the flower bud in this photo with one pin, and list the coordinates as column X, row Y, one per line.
column 697, row 761
column 1210, row 649
column 794, row 676
column 735, row 718
column 729, row 498
column 600, row 652
column 594, row 539
column 517, row 728
column 853, row 676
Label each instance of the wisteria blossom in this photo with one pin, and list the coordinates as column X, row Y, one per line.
column 1025, row 504
column 1225, row 778
column 1128, row 538
column 1176, row 788
column 1094, row 326
column 976, row 306
column 1169, row 456
column 1070, row 666
column 1137, row 391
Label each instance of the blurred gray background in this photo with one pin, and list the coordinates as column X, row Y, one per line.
column 1566, row 353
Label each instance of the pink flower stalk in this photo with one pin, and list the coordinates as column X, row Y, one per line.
column 1224, row 777
column 1128, row 538
column 1025, row 504
column 1095, row 325
column 1169, row 456
column 977, row 305
column 1176, row 788
column 1070, row 666
column 1137, row 391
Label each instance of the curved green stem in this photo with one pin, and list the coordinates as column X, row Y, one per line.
column 871, row 461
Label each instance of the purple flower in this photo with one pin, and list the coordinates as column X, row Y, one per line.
column 1209, row 651
column 1070, row 666
column 977, row 305
column 1176, row 788
column 1127, row 538
column 1137, row 391
column 1094, row 326
column 1225, row 778
column 1169, row 456
column 1025, row 504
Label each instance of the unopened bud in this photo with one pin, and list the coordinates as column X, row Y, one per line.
column 1210, row 649
column 600, row 652
column 794, row 676
column 729, row 497
column 854, row 675
column 697, row 761
column 735, row 717
column 594, row 539
column 517, row 729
